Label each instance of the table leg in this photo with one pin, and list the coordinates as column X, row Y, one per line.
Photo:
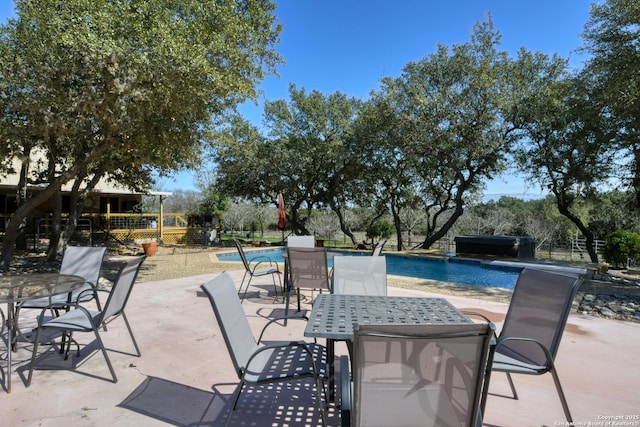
column 487, row 377
column 287, row 291
column 331, row 355
column 10, row 342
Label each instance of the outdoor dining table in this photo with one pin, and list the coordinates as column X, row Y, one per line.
column 333, row 316
column 24, row 287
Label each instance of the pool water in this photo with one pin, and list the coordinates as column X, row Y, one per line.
column 464, row 271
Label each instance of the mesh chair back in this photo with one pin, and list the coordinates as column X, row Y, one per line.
column 85, row 262
column 242, row 255
column 360, row 275
column 308, row 268
column 121, row 289
column 301, row 241
column 539, row 309
column 418, row 375
column 232, row 320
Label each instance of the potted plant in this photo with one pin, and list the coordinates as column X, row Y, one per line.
column 150, row 247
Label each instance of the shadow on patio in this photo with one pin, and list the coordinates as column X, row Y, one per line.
column 181, row 405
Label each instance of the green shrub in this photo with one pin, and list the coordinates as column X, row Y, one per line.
column 620, row 246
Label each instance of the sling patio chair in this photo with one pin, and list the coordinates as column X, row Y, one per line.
column 307, row 269
column 433, row 377
column 301, row 241
column 83, row 261
column 359, row 275
column 80, row 319
column 533, row 327
column 257, row 364
column 258, row 266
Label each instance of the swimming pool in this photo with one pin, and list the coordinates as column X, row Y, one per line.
column 455, row 270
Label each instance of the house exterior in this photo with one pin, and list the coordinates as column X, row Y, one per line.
column 110, row 212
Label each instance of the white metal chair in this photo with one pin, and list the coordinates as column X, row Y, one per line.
column 260, row 364
column 80, row 319
column 439, row 384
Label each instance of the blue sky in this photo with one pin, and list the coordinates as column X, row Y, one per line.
column 348, row 46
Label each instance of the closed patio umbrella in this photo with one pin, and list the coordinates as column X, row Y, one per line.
column 282, row 215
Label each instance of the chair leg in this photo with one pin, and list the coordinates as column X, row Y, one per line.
column 133, row 339
column 33, row 356
column 105, row 355
column 66, row 341
column 282, row 285
column 320, row 386
column 236, row 397
column 513, row 387
column 275, row 287
column 563, row 399
column 242, row 283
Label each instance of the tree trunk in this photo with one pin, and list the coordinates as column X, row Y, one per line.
column 397, row 224
column 434, row 237
column 343, row 226
column 17, row 222
column 563, row 208
column 56, row 227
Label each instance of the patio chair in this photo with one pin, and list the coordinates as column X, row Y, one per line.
column 532, row 330
column 435, row 375
column 359, row 275
column 258, row 266
column 301, row 241
column 257, row 364
column 307, row 269
column 83, row 261
column 378, row 247
column 80, row 319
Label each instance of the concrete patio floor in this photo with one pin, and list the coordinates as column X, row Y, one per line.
column 185, row 376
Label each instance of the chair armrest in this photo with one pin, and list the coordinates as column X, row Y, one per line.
column 83, row 294
column 474, row 313
column 74, row 305
column 493, row 327
column 545, row 350
column 262, row 259
column 345, row 391
column 275, row 319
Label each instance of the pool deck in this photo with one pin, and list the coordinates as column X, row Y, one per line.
column 185, row 376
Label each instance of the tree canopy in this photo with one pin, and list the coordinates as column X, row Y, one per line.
column 97, row 88
column 612, row 39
